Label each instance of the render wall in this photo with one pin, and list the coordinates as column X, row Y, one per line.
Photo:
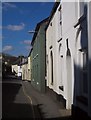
column 38, row 60
column 65, row 51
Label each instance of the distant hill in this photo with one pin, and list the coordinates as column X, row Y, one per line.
column 8, row 58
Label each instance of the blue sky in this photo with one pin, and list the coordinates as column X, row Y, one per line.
column 17, row 19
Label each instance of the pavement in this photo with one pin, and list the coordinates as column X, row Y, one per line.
column 48, row 107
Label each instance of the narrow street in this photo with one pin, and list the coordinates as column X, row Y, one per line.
column 16, row 102
column 21, row 100
column 45, row 60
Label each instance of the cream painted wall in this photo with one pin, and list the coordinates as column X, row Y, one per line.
column 29, row 68
column 25, row 72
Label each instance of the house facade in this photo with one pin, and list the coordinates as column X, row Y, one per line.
column 31, row 66
column 67, row 53
column 17, row 70
column 25, row 71
column 38, row 57
column 82, row 63
column 16, row 67
column 24, row 66
column 54, row 53
column 81, row 89
column 30, row 57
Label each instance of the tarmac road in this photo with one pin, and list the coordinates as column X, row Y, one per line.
column 21, row 100
column 15, row 101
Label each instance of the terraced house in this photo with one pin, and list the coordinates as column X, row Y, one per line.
column 67, row 54
column 38, row 56
column 29, row 66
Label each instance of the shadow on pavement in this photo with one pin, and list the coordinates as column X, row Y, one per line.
column 16, row 106
column 42, row 115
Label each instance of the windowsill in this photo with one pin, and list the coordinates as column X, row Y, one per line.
column 82, row 99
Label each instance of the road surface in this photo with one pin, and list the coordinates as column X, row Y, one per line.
column 16, row 102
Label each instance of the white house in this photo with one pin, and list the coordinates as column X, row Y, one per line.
column 59, row 35
column 26, row 69
column 17, row 70
column 67, row 41
column 29, row 68
column 54, row 60
column 16, row 67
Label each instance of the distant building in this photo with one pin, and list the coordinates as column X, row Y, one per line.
column 38, row 56
column 24, row 66
column 7, row 61
column 16, row 67
column 30, row 65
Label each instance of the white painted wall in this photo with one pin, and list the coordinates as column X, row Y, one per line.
column 25, row 73
column 68, row 32
column 19, row 71
column 63, row 67
column 15, row 68
column 52, row 37
column 29, row 68
column 64, row 31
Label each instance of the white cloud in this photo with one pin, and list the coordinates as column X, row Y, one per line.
column 28, row 42
column 7, row 5
column 15, row 27
column 7, row 48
